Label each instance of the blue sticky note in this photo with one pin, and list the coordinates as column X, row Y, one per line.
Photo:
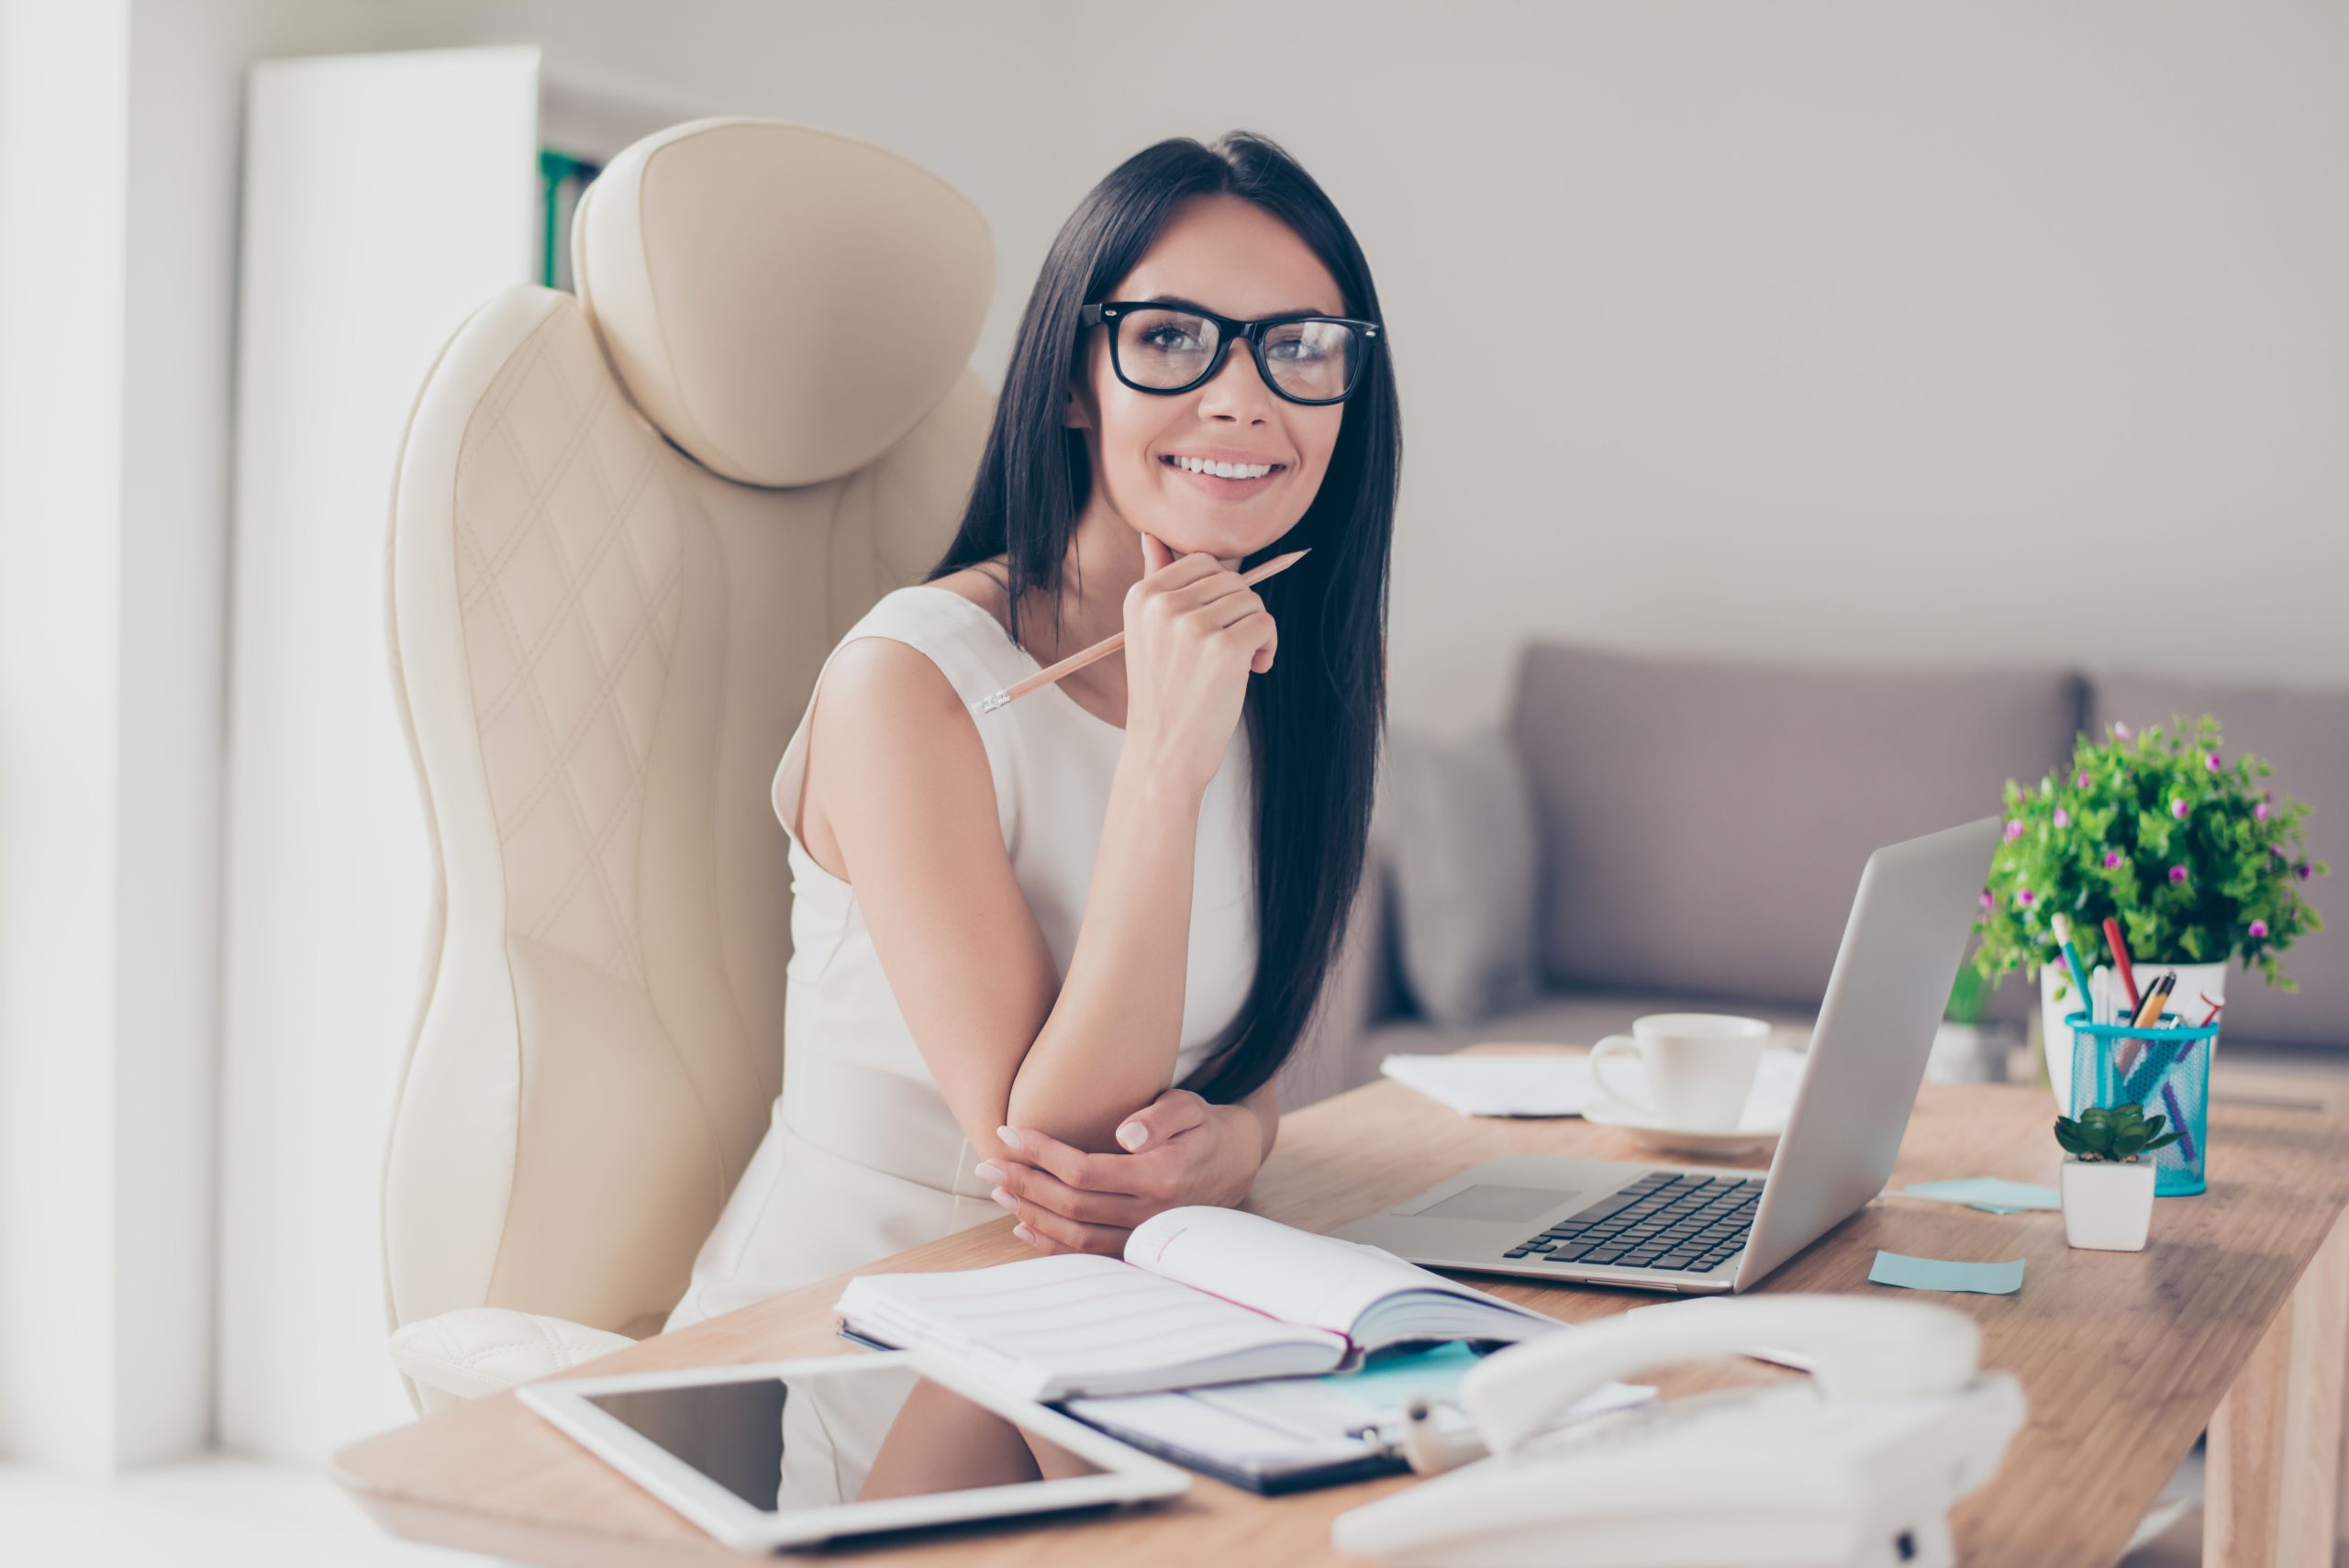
column 1995, row 1193
column 1388, row 1382
column 1940, row 1273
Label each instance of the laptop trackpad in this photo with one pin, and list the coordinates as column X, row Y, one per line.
column 1489, row 1201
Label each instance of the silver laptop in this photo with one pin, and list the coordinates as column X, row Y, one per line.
column 1703, row 1230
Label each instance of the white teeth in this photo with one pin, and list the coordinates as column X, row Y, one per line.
column 1225, row 470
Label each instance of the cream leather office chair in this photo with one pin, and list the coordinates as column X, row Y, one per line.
column 627, row 528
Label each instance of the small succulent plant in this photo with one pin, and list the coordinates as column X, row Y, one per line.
column 2117, row 1133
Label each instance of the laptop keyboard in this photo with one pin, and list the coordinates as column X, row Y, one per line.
column 1663, row 1220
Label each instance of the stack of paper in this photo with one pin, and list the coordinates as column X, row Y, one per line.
column 1531, row 1085
column 1540, row 1083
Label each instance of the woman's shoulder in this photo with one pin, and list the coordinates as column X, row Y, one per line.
column 936, row 636
column 982, row 584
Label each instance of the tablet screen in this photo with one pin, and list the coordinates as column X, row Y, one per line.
column 787, row 1444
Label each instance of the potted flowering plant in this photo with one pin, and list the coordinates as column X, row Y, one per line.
column 2197, row 860
column 2107, row 1195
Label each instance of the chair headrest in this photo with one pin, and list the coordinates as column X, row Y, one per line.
column 783, row 303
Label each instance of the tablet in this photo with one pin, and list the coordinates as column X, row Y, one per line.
column 788, row 1453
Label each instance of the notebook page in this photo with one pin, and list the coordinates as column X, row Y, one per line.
column 1293, row 1274
column 1071, row 1318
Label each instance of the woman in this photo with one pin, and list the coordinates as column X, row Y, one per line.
column 1053, row 954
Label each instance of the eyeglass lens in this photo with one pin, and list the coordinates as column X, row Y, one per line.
column 1164, row 349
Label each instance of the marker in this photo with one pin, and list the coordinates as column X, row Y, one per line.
column 2071, row 957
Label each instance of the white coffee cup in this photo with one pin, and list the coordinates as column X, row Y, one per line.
column 1699, row 1069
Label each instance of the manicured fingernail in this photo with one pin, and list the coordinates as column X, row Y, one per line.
column 1009, row 1137
column 988, row 1171
column 1023, row 1233
column 1133, row 1135
column 1006, row 1199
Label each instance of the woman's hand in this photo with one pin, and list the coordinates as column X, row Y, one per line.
column 1194, row 633
column 1182, row 1150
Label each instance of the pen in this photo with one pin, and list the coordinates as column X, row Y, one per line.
column 2120, row 957
column 2148, row 1016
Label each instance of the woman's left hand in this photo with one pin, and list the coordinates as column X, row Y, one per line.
column 1182, row 1150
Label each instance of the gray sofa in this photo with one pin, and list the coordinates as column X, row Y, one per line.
column 1701, row 827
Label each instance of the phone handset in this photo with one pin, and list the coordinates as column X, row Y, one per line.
column 1855, row 1349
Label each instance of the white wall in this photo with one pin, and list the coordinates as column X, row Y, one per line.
column 1828, row 330
column 62, row 125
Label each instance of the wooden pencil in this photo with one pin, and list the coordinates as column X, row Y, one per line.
column 1111, row 644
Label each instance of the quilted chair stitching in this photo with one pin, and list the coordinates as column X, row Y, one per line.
column 528, row 659
column 595, row 558
column 527, row 662
column 516, row 376
column 635, row 567
column 690, row 515
column 589, row 713
column 534, row 512
column 649, row 602
column 539, row 339
column 560, row 773
column 562, row 896
column 625, row 961
column 566, row 611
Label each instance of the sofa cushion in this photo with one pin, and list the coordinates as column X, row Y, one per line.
column 2304, row 735
column 1704, row 823
column 1467, row 869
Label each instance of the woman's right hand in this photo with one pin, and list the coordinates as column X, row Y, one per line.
column 1193, row 632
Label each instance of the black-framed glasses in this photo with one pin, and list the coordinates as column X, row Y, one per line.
column 1161, row 347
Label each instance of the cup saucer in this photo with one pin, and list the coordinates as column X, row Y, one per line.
column 1760, row 1127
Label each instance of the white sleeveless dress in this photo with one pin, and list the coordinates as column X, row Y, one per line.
column 862, row 1158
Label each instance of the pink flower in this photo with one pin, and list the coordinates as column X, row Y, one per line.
column 2258, row 929
column 2212, row 761
column 2062, row 817
column 2083, row 781
column 2111, row 859
column 2303, row 869
column 2259, row 812
column 2014, row 828
column 2177, row 808
column 2178, row 874
column 2022, row 897
column 1988, row 902
column 2119, row 730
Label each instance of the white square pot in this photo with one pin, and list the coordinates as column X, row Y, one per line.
column 2107, row 1205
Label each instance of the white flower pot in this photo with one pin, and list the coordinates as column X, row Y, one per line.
column 2107, row 1205
column 2195, row 981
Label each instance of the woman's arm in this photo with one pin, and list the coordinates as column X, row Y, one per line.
column 1182, row 1150
column 908, row 796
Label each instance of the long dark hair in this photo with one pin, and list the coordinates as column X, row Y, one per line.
column 1317, row 716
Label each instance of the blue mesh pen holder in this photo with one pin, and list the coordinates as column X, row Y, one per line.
column 2164, row 1068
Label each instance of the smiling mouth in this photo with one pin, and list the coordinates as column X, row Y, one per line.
column 1209, row 472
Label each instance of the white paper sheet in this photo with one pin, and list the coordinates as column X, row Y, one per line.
column 1537, row 1084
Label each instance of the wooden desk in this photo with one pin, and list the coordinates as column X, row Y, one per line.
column 2236, row 1310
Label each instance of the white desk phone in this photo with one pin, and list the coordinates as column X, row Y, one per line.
column 1856, row 1467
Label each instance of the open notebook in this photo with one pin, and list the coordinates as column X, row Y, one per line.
column 1204, row 1295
